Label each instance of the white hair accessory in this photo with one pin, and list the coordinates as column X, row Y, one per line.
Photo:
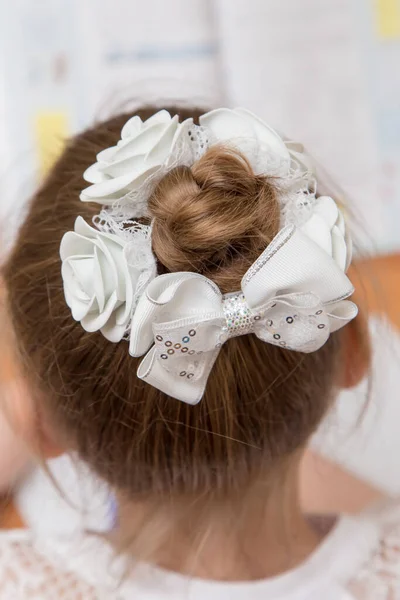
column 326, row 228
column 103, row 278
column 146, row 151
column 293, row 296
column 125, row 175
column 265, row 150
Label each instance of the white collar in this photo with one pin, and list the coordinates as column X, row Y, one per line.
column 324, row 574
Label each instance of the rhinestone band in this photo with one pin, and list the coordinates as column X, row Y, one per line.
column 238, row 315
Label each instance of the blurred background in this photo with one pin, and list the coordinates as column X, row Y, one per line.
column 324, row 73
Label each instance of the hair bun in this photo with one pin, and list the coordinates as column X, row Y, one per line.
column 214, row 218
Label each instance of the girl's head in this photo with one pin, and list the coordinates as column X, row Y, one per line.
column 261, row 403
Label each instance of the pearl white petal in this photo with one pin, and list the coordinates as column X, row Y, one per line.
column 327, row 208
column 94, row 321
column 318, row 231
column 115, row 328
column 108, row 265
column 349, row 246
column 117, row 259
column 179, row 141
column 113, row 332
column 148, row 171
column 262, row 146
column 162, row 116
column 106, row 156
column 266, row 135
column 142, row 143
column 99, row 268
column 82, row 269
column 84, row 229
column 340, row 222
column 131, row 281
column 79, row 310
column 71, row 283
column 73, row 244
column 131, row 165
column 108, row 191
column 159, row 152
column 131, row 127
column 95, row 174
column 76, row 299
column 123, row 313
column 225, row 125
column 339, row 250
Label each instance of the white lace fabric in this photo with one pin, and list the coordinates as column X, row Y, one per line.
column 27, row 573
column 86, row 569
column 379, row 577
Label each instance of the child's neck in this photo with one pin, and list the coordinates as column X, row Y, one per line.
column 260, row 536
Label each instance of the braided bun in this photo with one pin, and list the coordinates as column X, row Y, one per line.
column 214, row 218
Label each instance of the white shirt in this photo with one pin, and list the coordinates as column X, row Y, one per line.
column 358, row 560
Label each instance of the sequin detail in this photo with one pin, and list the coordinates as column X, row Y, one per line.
column 238, row 315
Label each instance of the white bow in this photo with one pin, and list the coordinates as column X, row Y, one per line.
column 293, row 296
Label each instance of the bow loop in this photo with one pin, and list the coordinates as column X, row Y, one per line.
column 294, row 263
column 172, row 302
column 293, row 296
column 294, row 321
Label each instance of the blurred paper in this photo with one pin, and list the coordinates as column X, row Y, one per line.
column 325, row 73
column 158, row 51
column 321, row 73
column 388, row 18
column 51, row 130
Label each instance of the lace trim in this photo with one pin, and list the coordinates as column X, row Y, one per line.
column 379, row 578
column 297, row 191
column 138, row 252
column 27, row 574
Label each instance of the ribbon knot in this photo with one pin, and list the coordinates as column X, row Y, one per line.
column 293, row 296
column 238, row 314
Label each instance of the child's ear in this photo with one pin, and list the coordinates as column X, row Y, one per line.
column 15, row 456
column 19, row 409
column 356, row 352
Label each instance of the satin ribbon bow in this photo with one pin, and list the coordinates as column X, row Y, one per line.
column 293, row 296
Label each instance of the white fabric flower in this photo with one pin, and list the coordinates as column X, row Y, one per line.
column 263, row 147
column 144, row 147
column 326, row 227
column 99, row 284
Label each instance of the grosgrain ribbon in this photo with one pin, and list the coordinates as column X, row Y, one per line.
column 293, row 296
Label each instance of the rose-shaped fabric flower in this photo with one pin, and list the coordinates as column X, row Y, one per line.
column 326, row 227
column 266, row 151
column 99, row 284
column 144, row 147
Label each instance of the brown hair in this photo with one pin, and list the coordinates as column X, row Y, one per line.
column 261, row 402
